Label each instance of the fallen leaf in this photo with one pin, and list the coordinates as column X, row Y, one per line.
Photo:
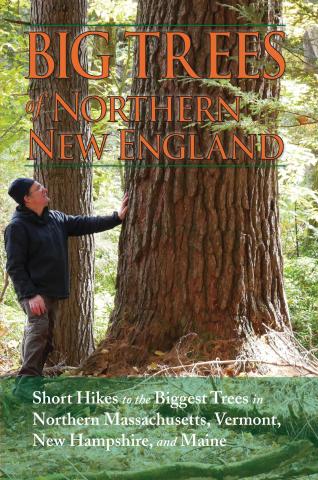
column 152, row 366
column 302, row 119
column 3, row 330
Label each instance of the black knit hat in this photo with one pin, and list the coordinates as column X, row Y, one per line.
column 19, row 188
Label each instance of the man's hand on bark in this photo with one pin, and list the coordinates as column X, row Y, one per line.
column 37, row 305
column 124, row 207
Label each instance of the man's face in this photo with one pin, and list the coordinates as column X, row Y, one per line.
column 37, row 196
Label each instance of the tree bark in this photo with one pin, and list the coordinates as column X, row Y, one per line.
column 70, row 189
column 200, row 250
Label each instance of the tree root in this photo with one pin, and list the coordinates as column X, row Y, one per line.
column 256, row 465
column 274, row 353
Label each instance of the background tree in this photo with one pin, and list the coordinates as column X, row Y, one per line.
column 298, row 117
column 200, row 250
column 70, row 189
column 14, row 148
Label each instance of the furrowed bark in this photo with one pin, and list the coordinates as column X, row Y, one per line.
column 200, row 250
column 70, row 189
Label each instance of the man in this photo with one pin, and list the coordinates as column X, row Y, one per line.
column 37, row 262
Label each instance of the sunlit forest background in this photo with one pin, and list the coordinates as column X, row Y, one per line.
column 298, row 121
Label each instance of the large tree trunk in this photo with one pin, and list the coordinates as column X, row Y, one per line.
column 70, row 189
column 200, row 250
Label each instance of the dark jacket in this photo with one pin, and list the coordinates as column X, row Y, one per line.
column 36, row 246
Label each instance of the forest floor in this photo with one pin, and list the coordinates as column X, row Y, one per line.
column 183, row 439
column 272, row 354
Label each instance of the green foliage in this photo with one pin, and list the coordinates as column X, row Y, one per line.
column 107, row 195
column 298, row 185
column 14, row 123
column 303, row 11
column 257, row 115
column 296, row 115
column 250, row 13
column 110, row 11
column 11, row 315
column 301, row 282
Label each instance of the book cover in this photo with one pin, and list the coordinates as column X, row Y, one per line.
column 186, row 346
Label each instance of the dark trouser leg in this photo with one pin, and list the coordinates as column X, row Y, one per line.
column 52, row 309
column 37, row 341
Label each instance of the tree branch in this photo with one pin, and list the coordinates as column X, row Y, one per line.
column 10, row 127
column 5, row 286
column 216, row 363
column 180, row 471
column 18, row 22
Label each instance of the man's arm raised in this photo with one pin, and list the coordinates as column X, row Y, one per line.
column 84, row 225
